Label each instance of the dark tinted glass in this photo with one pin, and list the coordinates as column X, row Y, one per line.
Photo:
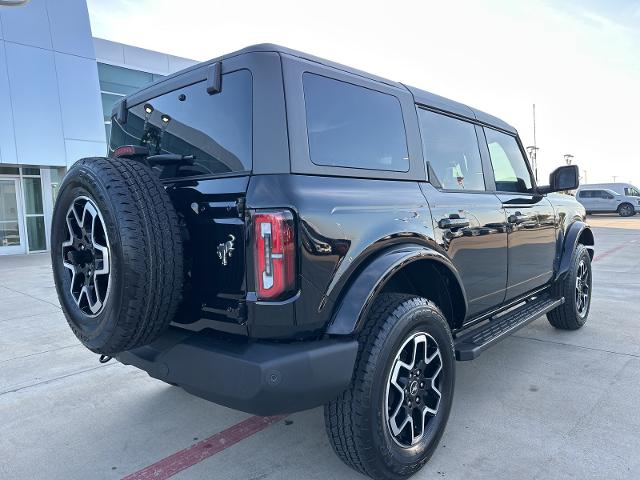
column 352, row 126
column 451, row 149
column 585, row 194
column 509, row 165
column 216, row 129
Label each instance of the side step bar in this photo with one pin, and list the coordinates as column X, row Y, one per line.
column 471, row 344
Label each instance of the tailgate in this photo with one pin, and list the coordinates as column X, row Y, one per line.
column 211, row 213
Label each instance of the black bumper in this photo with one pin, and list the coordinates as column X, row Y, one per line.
column 260, row 378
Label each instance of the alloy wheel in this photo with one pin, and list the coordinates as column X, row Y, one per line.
column 86, row 255
column 583, row 288
column 413, row 389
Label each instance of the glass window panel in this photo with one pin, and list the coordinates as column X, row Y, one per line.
column 57, row 174
column 121, row 80
column 9, row 171
column 9, row 232
column 509, row 165
column 352, row 126
column 36, row 233
column 451, row 148
column 30, row 171
column 108, row 102
column 32, row 195
column 216, row 129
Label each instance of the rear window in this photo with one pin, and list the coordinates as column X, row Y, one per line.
column 215, row 129
column 354, row 127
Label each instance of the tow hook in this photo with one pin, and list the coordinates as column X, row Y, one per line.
column 104, row 358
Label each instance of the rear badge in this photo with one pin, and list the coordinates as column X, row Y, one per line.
column 225, row 250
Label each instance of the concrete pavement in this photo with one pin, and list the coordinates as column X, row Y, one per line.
column 542, row 404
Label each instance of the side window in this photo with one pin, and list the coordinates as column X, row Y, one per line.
column 606, row 195
column 509, row 165
column 352, row 126
column 451, row 149
column 631, row 192
column 586, row 194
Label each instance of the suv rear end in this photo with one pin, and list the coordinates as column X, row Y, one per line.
column 241, row 280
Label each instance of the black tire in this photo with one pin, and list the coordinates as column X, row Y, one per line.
column 143, row 286
column 357, row 421
column 570, row 315
column 626, row 210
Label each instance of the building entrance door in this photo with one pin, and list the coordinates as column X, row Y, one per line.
column 11, row 235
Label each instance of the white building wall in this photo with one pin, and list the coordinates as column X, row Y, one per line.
column 50, row 108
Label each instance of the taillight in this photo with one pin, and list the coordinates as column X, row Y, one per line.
column 275, row 262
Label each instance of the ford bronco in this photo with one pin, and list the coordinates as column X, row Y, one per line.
column 274, row 232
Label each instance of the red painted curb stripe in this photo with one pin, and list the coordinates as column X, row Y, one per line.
column 169, row 466
column 608, row 252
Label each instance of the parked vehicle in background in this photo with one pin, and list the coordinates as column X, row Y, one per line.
column 275, row 232
column 621, row 198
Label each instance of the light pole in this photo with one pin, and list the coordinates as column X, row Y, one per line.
column 568, row 158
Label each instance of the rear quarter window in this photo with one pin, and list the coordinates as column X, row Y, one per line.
column 215, row 129
column 353, row 126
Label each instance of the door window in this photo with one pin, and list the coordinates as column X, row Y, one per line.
column 509, row 165
column 631, row 192
column 451, row 151
column 606, row 195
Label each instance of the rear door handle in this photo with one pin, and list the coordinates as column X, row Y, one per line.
column 518, row 218
column 451, row 223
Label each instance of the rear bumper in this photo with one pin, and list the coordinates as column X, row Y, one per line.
column 261, row 378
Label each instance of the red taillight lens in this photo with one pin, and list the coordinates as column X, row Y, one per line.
column 275, row 261
column 131, row 151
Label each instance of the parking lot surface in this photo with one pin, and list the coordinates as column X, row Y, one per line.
column 542, row 404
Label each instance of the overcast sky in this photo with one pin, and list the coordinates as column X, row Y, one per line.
column 578, row 62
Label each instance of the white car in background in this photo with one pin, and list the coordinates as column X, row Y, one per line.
column 622, row 198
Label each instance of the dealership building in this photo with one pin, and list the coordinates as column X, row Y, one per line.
column 58, row 85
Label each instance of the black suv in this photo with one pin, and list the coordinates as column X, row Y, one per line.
column 274, row 232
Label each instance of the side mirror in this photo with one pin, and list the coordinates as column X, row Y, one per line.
column 561, row 179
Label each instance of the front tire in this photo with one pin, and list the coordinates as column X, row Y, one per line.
column 576, row 290
column 405, row 370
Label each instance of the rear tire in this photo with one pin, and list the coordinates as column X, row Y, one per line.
column 116, row 253
column 576, row 289
column 361, row 421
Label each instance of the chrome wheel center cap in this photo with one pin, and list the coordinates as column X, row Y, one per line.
column 413, row 389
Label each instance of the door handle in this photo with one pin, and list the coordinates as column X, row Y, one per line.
column 518, row 218
column 451, row 223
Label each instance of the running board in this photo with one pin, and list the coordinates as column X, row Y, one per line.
column 471, row 344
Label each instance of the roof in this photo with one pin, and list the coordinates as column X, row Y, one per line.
column 421, row 96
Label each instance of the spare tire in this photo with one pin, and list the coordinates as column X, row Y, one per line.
column 116, row 252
